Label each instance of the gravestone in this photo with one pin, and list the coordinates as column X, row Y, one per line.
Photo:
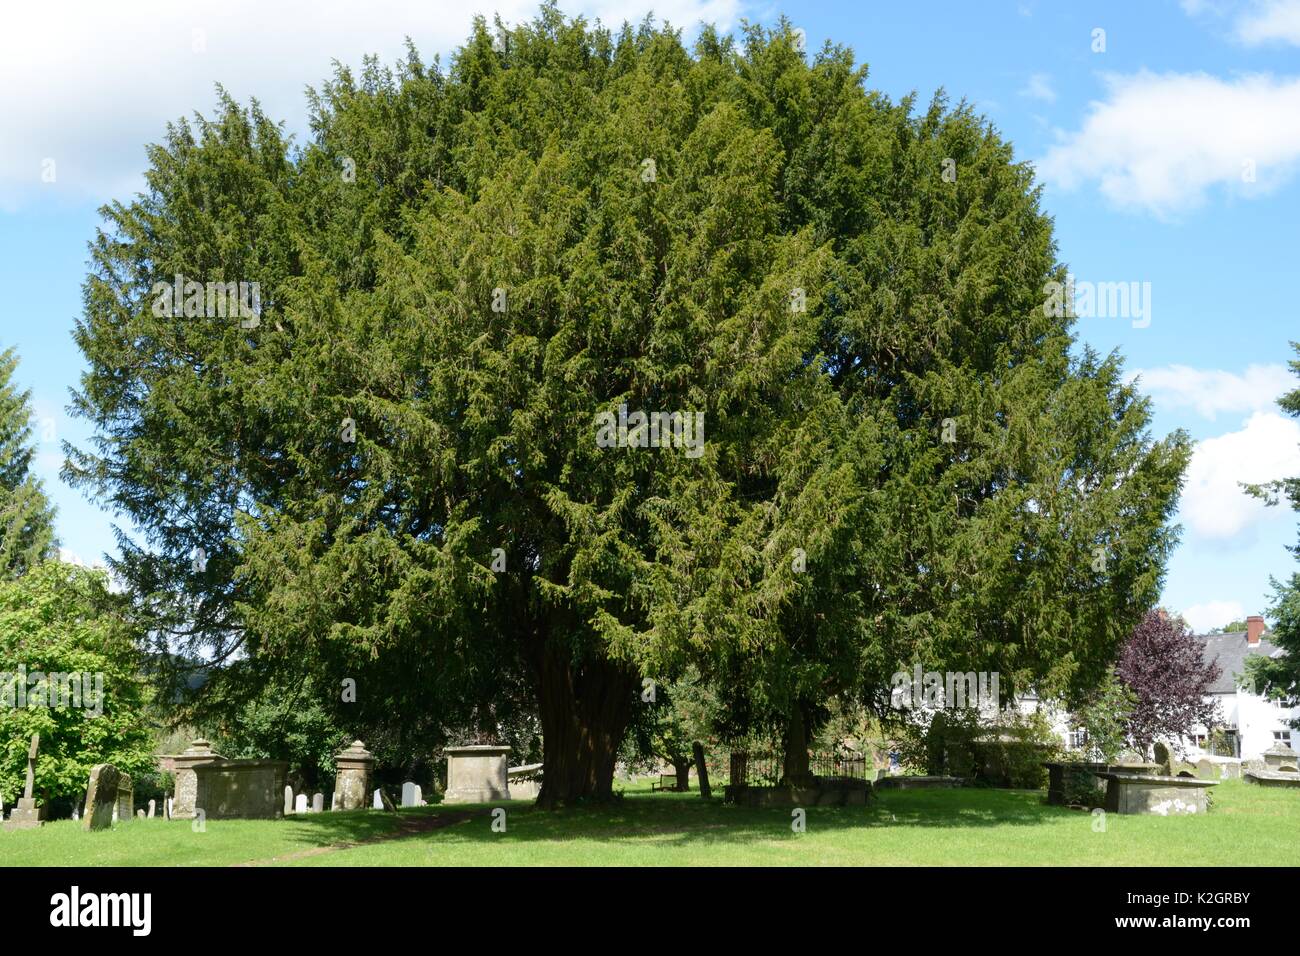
column 1206, row 770
column 101, row 797
column 139, row 814
column 288, row 800
column 477, row 774
column 318, row 803
column 333, row 798
column 151, row 809
column 1164, row 796
column 379, row 801
column 1279, row 757
column 27, row 815
column 352, row 780
column 125, row 797
column 1162, row 758
column 169, row 808
column 300, row 803
column 411, row 796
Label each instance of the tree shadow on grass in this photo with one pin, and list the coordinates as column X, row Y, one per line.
column 686, row 819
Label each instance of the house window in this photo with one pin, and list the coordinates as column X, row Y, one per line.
column 1078, row 739
column 1282, row 737
column 1201, row 740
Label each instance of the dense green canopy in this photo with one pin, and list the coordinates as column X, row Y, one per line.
column 462, row 271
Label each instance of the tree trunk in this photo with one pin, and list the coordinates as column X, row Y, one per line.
column 795, row 772
column 585, row 710
column 702, row 770
column 682, row 766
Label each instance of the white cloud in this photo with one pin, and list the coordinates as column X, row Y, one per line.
column 1270, row 21
column 1213, row 504
column 1159, row 141
column 1203, row 618
column 1039, row 87
column 87, row 84
column 1210, row 391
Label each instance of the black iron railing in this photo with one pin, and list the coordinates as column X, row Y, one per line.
column 764, row 768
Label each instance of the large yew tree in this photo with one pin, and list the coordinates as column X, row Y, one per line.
column 393, row 471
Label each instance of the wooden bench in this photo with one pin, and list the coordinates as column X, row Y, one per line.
column 667, row 781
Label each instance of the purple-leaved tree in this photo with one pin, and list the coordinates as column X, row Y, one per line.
column 1163, row 664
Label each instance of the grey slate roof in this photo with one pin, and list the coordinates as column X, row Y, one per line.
column 1231, row 651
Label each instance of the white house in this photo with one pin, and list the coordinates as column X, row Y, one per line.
column 1251, row 723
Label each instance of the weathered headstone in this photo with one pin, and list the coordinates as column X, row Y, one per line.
column 169, row 808
column 139, row 815
column 27, row 815
column 300, row 803
column 288, row 800
column 379, row 801
column 352, row 780
column 125, row 797
column 318, row 803
column 151, row 809
column 1162, row 758
column 101, row 797
column 411, row 796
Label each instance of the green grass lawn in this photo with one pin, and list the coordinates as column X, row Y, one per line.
column 1248, row 826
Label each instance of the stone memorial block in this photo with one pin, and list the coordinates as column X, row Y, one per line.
column 1279, row 757
column 101, row 797
column 318, row 803
column 300, row 803
column 411, row 796
column 226, row 789
column 1130, row 793
column 288, row 800
column 198, row 754
column 352, row 779
column 477, row 774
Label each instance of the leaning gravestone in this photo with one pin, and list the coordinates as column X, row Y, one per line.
column 101, row 797
column 411, row 796
column 318, row 803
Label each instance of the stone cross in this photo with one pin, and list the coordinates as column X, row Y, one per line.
column 31, row 766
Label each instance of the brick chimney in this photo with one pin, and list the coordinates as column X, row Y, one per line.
column 1254, row 628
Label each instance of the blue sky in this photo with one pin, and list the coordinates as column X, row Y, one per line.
column 1170, row 157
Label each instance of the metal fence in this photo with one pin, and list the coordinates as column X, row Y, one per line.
column 764, row 768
